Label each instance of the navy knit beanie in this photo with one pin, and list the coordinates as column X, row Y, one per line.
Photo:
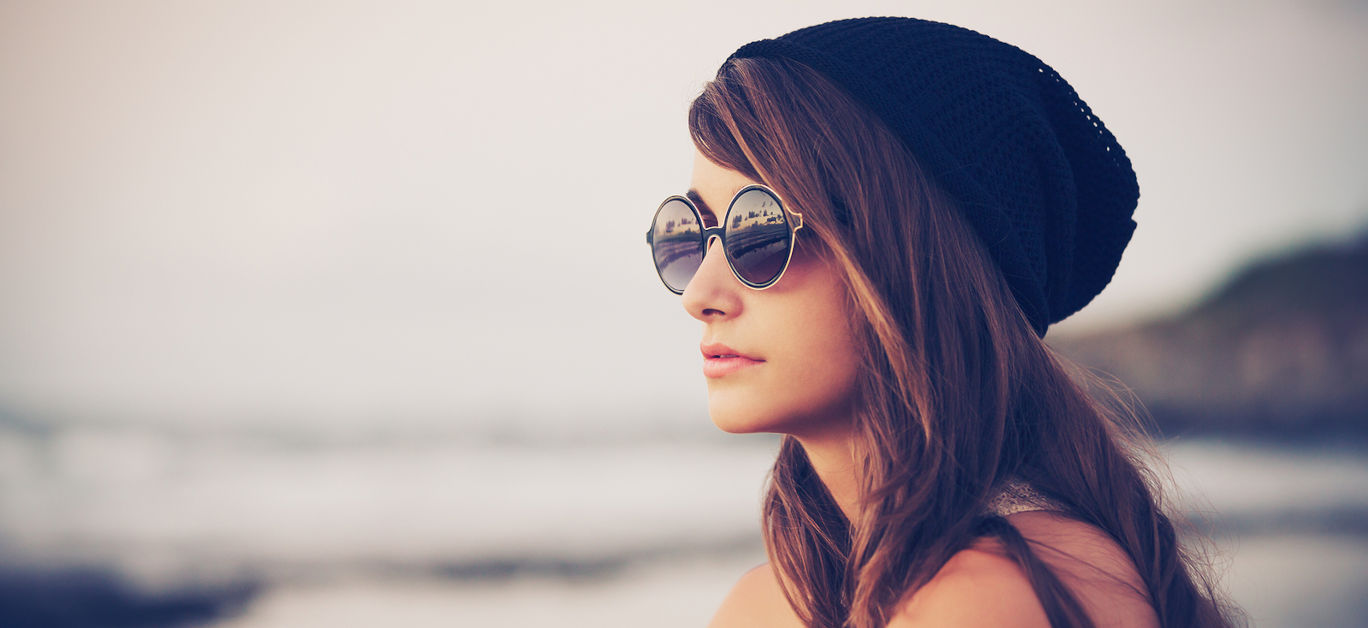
column 1042, row 181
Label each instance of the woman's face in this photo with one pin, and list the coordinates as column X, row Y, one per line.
column 797, row 370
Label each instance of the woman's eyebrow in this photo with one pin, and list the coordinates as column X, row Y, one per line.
column 702, row 207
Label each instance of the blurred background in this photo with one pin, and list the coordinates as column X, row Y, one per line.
column 338, row 313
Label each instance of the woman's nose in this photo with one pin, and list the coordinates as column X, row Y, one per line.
column 712, row 293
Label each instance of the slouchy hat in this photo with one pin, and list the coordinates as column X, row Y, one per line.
column 1037, row 175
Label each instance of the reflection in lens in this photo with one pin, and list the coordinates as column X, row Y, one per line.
column 757, row 237
column 677, row 244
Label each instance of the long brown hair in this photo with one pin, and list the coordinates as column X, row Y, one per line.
column 959, row 394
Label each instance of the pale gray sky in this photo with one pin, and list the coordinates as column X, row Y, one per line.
column 365, row 213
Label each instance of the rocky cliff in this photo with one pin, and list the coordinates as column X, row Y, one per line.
column 1280, row 349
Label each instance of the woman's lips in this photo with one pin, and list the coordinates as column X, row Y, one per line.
column 725, row 365
column 720, row 360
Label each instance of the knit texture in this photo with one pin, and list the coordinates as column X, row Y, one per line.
column 1041, row 180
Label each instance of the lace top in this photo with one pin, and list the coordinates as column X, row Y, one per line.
column 1018, row 497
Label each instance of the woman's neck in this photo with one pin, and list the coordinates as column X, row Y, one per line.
column 832, row 458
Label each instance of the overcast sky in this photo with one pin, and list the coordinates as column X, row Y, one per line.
column 379, row 212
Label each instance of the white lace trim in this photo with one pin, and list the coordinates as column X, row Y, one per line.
column 1018, row 497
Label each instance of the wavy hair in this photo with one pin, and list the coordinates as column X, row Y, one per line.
column 958, row 394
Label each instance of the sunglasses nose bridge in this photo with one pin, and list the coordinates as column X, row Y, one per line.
column 710, row 234
column 706, row 275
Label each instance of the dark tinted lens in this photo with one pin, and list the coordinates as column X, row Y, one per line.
column 758, row 237
column 677, row 244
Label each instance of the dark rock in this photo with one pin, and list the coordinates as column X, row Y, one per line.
column 88, row 597
column 1282, row 349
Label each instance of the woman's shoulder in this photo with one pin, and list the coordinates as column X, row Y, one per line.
column 982, row 585
column 978, row 586
column 756, row 600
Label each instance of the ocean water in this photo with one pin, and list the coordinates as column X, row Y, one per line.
column 146, row 525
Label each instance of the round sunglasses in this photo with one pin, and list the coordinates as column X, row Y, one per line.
column 756, row 234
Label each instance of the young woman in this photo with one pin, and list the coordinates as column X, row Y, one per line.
column 885, row 216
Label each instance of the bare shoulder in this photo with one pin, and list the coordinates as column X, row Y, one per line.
column 756, row 601
column 982, row 585
column 978, row 586
column 1092, row 565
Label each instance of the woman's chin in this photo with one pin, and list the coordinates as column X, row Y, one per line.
column 737, row 418
column 749, row 414
column 737, row 427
